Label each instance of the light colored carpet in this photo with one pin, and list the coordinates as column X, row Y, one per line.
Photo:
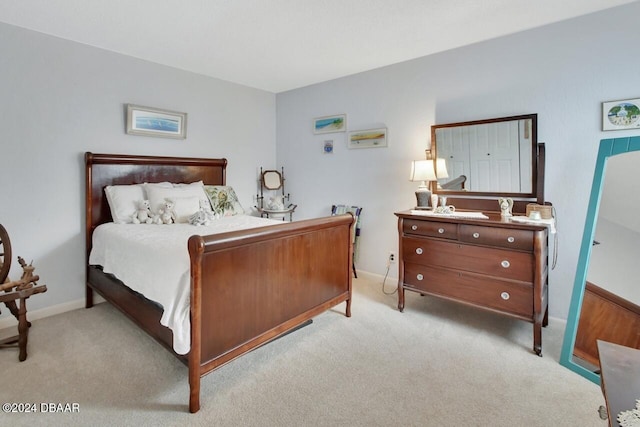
column 438, row 363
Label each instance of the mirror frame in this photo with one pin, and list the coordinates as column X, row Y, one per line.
column 264, row 179
column 537, row 161
column 608, row 148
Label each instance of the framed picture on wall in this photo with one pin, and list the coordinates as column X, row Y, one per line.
column 328, row 146
column 155, row 122
column 330, row 124
column 618, row 115
column 371, row 138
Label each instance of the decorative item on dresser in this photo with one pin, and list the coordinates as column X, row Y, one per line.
column 506, row 204
column 467, row 252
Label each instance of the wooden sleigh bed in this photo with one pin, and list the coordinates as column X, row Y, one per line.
column 247, row 287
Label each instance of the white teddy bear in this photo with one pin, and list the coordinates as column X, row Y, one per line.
column 155, row 218
column 204, row 216
column 143, row 213
column 167, row 213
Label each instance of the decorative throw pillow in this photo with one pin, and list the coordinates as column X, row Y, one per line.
column 123, row 201
column 224, row 200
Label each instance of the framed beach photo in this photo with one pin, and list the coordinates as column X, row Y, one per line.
column 330, row 124
column 618, row 115
column 371, row 138
column 155, row 122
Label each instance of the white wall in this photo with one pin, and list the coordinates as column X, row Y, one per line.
column 614, row 262
column 562, row 72
column 619, row 200
column 59, row 99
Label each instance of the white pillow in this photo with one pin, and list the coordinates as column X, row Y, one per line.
column 185, row 207
column 191, row 184
column 123, row 201
column 157, row 184
column 180, row 196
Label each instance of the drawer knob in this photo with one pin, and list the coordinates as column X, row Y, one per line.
column 505, row 264
column 505, row 296
column 419, row 251
column 441, row 230
column 414, row 227
column 476, row 235
column 511, row 239
column 419, row 277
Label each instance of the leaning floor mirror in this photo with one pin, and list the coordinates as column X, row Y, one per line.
column 605, row 304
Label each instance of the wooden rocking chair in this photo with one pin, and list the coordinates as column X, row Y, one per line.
column 18, row 290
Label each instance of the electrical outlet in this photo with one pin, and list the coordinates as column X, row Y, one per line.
column 392, row 257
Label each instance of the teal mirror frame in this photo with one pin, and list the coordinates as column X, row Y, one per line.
column 608, row 148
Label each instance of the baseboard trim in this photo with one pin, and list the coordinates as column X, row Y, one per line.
column 10, row 321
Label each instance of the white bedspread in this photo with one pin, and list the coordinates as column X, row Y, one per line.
column 154, row 261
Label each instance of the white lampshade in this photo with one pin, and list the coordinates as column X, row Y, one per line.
column 422, row 170
column 441, row 168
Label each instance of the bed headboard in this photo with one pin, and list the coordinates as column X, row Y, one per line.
column 118, row 169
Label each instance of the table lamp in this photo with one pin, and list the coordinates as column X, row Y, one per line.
column 423, row 171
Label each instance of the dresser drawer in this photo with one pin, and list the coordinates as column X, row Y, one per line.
column 500, row 263
column 493, row 236
column 443, row 230
column 471, row 288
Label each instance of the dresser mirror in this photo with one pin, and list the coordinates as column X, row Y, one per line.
column 493, row 157
column 606, row 289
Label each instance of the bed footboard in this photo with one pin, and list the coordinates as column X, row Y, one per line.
column 249, row 287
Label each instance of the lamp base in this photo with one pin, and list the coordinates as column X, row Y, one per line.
column 423, row 197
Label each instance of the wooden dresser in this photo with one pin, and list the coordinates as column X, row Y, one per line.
column 494, row 264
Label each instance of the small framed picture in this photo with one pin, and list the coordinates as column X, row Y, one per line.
column 328, row 146
column 618, row 115
column 155, row 122
column 371, row 138
column 330, row 124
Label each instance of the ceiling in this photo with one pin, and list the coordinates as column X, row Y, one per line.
column 278, row 45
